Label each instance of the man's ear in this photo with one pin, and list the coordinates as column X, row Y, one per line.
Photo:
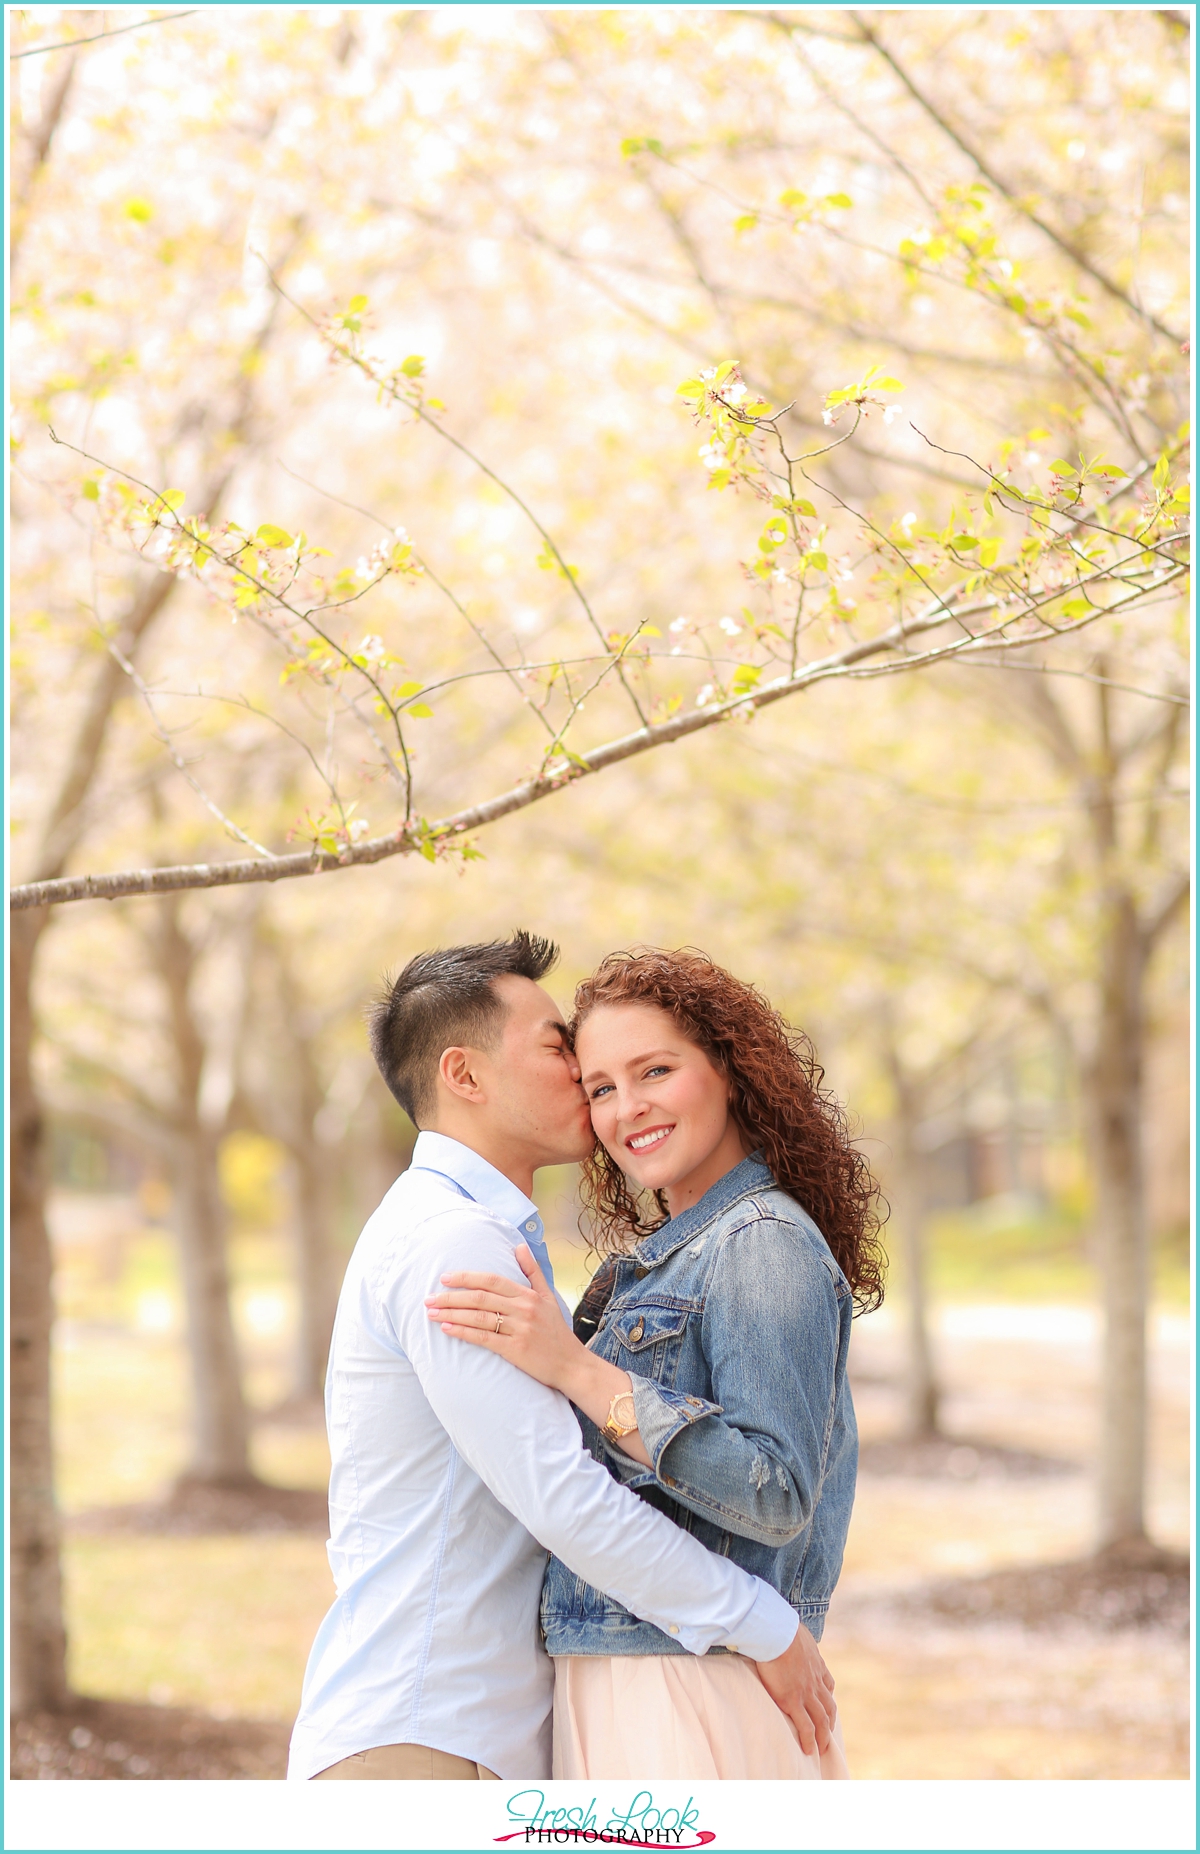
column 458, row 1072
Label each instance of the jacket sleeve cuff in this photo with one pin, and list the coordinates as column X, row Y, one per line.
column 663, row 1414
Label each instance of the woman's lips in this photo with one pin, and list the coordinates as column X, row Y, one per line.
column 648, row 1139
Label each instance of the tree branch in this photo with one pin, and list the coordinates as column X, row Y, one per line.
column 1170, row 905
column 990, row 175
column 34, row 51
column 449, row 829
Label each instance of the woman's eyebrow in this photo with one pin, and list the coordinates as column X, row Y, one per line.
column 631, row 1062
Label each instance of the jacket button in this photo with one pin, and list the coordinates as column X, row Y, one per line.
column 673, row 1628
column 639, row 1274
column 635, row 1332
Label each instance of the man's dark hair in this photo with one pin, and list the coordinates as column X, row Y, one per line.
column 442, row 1000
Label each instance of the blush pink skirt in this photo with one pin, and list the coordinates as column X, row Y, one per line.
column 676, row 1716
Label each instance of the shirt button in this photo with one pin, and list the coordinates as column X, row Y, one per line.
column 673, row 1628
column 731, row 1647
column 532, row 1224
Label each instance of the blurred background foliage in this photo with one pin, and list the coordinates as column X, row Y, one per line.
column 566, row 213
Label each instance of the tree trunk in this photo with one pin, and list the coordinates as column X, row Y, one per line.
column 39, row 1643
column 1113, row 1083
column 220, row 1446
column 923, row 1396
column 921, row 1390
column 220, row 1450
column 911, row 1215
column 314, row 1268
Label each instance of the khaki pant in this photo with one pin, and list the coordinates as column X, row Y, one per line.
column 406, row 1762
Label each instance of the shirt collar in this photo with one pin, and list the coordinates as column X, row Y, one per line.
column 477, row 1179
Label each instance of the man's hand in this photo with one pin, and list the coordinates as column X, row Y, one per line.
column 802, row 1686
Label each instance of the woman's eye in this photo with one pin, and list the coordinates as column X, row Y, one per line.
column 659, row 1069
column 604, row 1088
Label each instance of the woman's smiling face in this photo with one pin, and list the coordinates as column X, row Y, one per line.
column 659, row 1106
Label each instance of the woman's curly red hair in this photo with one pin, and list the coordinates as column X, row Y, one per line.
column 775, row 1096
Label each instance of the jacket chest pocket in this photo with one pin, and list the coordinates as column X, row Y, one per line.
column 652, row 1337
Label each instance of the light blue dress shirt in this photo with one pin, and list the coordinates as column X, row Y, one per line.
column 452, row 1476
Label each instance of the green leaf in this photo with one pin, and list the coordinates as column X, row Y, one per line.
column 803, row 506
column 745, row 676
column 413, row 366
column 357, row 303
column 406, row 689
column 887, row 385
column 963, row 543
column 723, row 372
column 793, row 198
column 1075, row 608
column 989, row 550
column 1060, row 467
column 820, row 561
column 91, row 489
column 421, row 711
column 692, row 389
column 1109, row 470
column 745, row 222
column 839, row 199
column 428, row 851
column 271, row 536
column 1162, row 471
column 140, row 211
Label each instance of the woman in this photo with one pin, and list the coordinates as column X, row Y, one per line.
column 740, row 1227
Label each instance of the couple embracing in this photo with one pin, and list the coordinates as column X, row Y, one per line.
column 634, row 1586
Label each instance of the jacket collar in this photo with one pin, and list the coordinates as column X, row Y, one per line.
column 748, row 1176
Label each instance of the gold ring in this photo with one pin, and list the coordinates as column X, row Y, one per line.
column 499, row 1317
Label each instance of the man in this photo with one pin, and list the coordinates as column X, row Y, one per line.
column 454, row 1473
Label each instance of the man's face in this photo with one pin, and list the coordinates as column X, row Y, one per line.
column 532, row 1078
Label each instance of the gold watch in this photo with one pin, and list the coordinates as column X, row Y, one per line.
column 616, row 1426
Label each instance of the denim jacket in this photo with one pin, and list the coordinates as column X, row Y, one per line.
column 733, row 1322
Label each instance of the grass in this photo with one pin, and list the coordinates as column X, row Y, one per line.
column 223, row 1624
column 1007, row 1249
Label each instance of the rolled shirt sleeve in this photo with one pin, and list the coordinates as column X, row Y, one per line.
column 523, row 1441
